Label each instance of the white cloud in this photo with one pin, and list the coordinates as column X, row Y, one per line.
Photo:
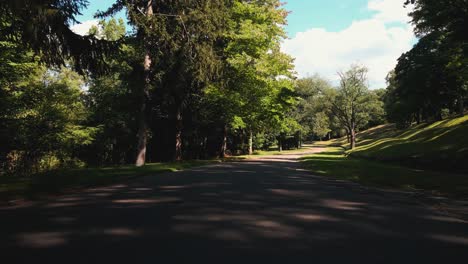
column 83, row 28
column 376, row 43
column 390, row 10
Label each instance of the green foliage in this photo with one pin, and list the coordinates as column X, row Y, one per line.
column 44, row 27
column 423, row 84
column 353, row 103
column 312, row 101
column 111, row 30
column 449, row 16
column 46, row 124
column 323, row 110
column 256, row 89
column 433, row 76
column 321, row 124
column 112, row 101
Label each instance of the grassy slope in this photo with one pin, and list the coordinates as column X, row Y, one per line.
column 440, row 146
column 59, row 181
column 418, row 157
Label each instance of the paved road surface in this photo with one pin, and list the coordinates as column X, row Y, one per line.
column 261, row 211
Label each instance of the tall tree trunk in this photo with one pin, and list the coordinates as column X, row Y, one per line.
column 178, row 133
column 297, row 138
column 353, row 138
column 419, row 116
column 142, row 135
column 461, row 107
column 280, row 144
column 250, row 142
column 222, row 153
column 300, row 139
column 144, row 95
column 439, row 115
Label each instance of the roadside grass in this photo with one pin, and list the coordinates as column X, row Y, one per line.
column 431, row 157
column 58, row 181
column 334, row 162
column 272, row 152
column 441, row 146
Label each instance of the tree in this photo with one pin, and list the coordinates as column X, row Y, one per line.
column 177, row 42
column 112, row 102
column 353, row 102
column 313, row 104
column 256, row 85
column 111, row 30
column 16, row 62
column 321, row 125
column 47, row 123
column 435, row 16
column 424, row 83
column 44, row 27
column 445, row 23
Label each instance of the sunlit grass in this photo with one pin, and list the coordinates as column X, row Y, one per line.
column 273, row 151
column 439, row 146
column 428, row 156
column 335, row 163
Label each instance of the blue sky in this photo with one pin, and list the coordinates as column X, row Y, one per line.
column 333, row 15
column 327, row 36
column 330, row 14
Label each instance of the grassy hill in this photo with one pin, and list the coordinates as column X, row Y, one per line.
column 441, row 146
column 428, row 156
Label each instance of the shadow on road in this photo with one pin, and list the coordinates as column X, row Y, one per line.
column 260, row 211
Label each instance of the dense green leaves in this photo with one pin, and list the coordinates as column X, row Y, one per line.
column 324, row 110
column 47, row 123
column 44, row 27
column 430, row 81
column 191, row 79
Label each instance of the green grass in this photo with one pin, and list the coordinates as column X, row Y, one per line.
column 441, row 146
column 431, row 157
column 335, row 163
column 272, row 152
column 62, row 180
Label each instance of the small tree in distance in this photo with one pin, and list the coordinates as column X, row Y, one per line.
column 353, row 103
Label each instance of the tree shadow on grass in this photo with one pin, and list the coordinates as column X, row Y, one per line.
column 438, row 148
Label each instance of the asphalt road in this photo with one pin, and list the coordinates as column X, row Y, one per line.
column 260, row 211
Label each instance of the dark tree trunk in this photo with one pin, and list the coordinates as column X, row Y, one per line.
column 439, row 115
column 142, row 136
column 419, row 116
column 178, row 133
column 250, row 142
column 348, row 139
column 297, row 138
column 222, row 153
column 353, row 138
column 144, row 95
column 300, row 139
column 461, row 107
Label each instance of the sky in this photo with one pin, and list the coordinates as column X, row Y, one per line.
column 327, row 36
